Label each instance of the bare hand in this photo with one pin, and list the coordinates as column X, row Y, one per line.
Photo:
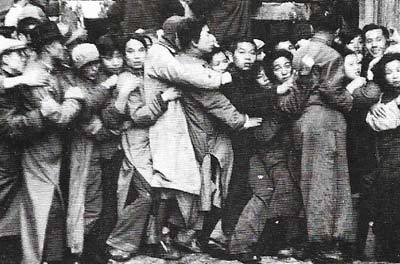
column 356, row 83
column 252, row 122
column 378, row 110
column 36, row 77
column 370, row 74
column 171, row 94
column 93, row 126
column 111, row 81
column 48, row 106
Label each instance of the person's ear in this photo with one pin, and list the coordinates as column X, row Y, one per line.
column 4, row 59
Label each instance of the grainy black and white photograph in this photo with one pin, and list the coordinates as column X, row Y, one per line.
column 199, row 131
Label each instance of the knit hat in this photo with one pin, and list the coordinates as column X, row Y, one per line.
column 84, row 53
column 8, row 44
column 170, row 27
column 45, row 33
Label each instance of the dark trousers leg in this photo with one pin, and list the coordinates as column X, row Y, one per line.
column 132, row 222
column 249, row 226
column 239, row 192
column 211, row 219
column 95, row 242
column 54, row 244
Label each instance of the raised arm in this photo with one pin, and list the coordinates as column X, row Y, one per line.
column 331, row 88
column 164, row 66
column 216, row 104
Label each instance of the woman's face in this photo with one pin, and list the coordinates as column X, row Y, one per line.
column 356, row 45
column 135, row 54
column 219, row 62
column 282, row 68
column 352, row 66
column 262, row 78
column 392, row 73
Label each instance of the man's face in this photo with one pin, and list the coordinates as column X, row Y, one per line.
column 375, row 42
column 245, row 55
column 135, row 53
column 15, row 61
column 206, row 41
column 113, row 62
column 282, row 68
column 286, row 45
column 262, row 78
column 90, row 70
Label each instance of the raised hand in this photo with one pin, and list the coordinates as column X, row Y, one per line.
column 171, row 94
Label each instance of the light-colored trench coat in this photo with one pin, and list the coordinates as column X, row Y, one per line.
column 172, row 151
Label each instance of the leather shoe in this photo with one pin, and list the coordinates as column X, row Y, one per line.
column 119, row 255
column 248, row 258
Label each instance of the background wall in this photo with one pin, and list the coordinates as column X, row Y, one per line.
column 383, row 12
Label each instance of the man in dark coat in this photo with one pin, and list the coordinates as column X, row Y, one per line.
column 14, row 127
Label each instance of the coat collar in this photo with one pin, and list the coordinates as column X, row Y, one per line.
column 323, row 38
column 165, row 43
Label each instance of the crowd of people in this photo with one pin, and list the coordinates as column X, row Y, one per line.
column 158, row 143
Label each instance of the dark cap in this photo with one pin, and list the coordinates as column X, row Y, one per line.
column 45, row 33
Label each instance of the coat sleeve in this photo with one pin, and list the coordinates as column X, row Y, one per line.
column 16, row 125
column 63, row 113
column 216, row 104
column 367, row 95
column 141, row 113
column 96, row 98
column 296, row 99
column 111, row 117
column 168, row 68
column 331, row 88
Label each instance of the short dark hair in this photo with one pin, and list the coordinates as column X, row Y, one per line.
column 235, row 42
column 379, row 69
column 107, row 44
column 346, row 52
column 326, row 20
column 27, row 25
column 209, row 57
column 44, row 34
column 370, row 27
column 348, row 35
column 7, row 31
column 189, row 30
column 134, row 36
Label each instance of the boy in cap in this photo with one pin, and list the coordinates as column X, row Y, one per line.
column 112, row 61
column 88, row 135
